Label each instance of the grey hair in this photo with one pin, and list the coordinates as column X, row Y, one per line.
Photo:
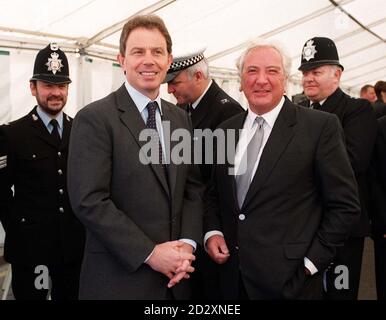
column 263, row 43
column 202, row 66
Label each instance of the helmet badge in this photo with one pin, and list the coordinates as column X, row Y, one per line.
column 54, row 64
column 309, row 51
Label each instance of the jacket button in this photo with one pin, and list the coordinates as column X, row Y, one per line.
column 242, row 217
column 22, row 220
column 61, row 191
column 237, row 248
column 34, row 156
column 61, row 210
column 59, row 154
column 60, row 172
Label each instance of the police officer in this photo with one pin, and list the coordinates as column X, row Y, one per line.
column 208, row 105
column 321, row 77
column 43, row 237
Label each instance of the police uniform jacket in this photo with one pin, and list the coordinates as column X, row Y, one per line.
column 39, row 223
column 214, row 108
column 360, row 129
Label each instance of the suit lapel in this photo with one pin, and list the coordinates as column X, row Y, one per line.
column 132, row 119
column 172, row 167
column 281, row 134
column 332, row 101
column 203, row 108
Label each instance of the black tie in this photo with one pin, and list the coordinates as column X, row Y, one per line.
column 316, row 106
column 151, row 124
column 55, row 132
column 189, row 109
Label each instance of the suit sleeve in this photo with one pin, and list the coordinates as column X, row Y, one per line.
column 6, row 194
column 339, row 194
column 360, row 130
column 212, row 219
column 89, row 176
column 192, row 213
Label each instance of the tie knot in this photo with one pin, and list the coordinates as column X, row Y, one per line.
column 152, row 107
column 54, row 123
column 316, row 106
column 259, row 121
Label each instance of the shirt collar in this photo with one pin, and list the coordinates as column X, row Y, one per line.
column 141, row 100
column 47, row 118
column 269, row 117
column 195, row 103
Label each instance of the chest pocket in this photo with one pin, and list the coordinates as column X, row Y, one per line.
column 34, row 164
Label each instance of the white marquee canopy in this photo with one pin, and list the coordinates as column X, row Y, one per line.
column 88, row 30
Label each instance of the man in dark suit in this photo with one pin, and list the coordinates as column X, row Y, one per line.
column 276, row 225
column 379, row 208
column 42, row 233
column 208, row 105
column 321, row 76
column 143, row 218
column 380, row 103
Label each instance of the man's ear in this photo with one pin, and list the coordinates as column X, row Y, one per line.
column 32, row 86
column 198, row 76
column 121, row 61
column 338, row 73
column 170, row 60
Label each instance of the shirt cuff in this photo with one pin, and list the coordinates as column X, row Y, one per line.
column 310, row 266
column 191, row 242
column 210, row 234
column 148, row 257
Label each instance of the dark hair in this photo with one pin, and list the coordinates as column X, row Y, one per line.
column 149, row 21
column 365, row 88
column 379, row 87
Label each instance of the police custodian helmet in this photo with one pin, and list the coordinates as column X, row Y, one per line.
column 51, row 65
column 319, row 51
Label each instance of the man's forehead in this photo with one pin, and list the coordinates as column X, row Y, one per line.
column 142, row 36
column 180, row 77
column 265, row 56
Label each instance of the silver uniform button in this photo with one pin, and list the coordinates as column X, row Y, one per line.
column 61, row 191
column 242, row 217
column 60, row 172
column 34, row 156
column 61, row 210
column 23, row 220
column 59, row 154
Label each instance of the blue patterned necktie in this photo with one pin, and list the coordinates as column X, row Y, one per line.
column 152, row 124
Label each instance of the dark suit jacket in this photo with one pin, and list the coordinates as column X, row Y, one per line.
column 301, row 203
column 37, row 232
column 126, row 206
column 379, row 109
column 379, row 182
column 214, row 108
column 360, row 128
